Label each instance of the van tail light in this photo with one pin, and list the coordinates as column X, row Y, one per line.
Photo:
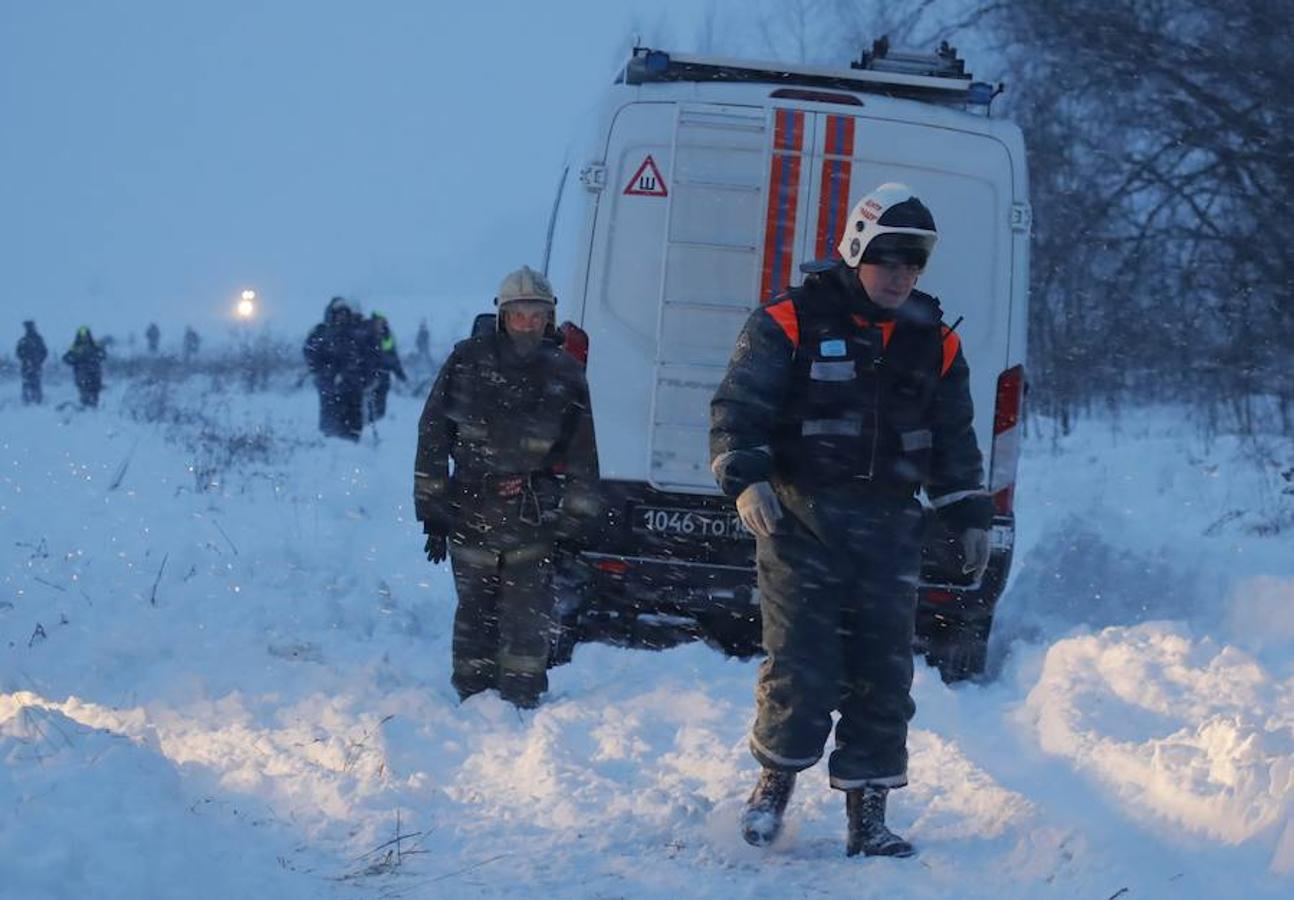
column 612, row 566
column 937, row 596
column 575, row 342
column 1006, row 439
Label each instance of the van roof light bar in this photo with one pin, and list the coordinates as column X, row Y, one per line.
column 939, row 77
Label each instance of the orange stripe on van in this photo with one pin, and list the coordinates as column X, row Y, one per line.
column 952, row 343
column 833, row 195
column 783, row 199
column 783, row 313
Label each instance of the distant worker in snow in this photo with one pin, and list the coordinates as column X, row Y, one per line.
column 32, row 354
column 339, row 353
column 152, row 335
column 422, row 343
column 86, row 359
column 191, row 343
column 387, row 362
column 512, row 411
column 843, row 398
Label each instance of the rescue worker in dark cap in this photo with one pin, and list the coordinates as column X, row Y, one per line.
column 32, row 354
column 511, row 409
column 339, row 352
column 843, row 398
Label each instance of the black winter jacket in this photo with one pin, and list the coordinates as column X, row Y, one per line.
column 341, row 353
column 499, row 415
column 86, row 358
column 826, row 387
column 31, row 353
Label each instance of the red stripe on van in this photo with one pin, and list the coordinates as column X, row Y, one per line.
column 833, row 197
column 783, row 198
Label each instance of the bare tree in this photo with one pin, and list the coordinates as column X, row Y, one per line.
column 1163, row 165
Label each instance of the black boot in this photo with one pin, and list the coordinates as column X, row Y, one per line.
column 867, row 832
column 761, row 823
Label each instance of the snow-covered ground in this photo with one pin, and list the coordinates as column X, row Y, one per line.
column 224, row 672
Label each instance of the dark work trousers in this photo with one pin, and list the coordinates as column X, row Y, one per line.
column 504, row 618
column 340, row 409
column 375, row 397
column 88, row 385
column 31, row 392
column 837, row 591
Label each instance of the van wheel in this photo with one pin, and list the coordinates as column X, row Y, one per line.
column 737, row 636
column 960, row 650
column 570, row 601
column 566, row 634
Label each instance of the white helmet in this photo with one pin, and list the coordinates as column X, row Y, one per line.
column 525, row 284
column 900, row 221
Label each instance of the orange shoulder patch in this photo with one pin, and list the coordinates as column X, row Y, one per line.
column 952, row 343
column 783, row 314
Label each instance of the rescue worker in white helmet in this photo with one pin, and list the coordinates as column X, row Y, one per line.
column 511, row 409
column 843, row 397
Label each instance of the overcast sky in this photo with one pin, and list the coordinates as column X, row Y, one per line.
column 157, row 157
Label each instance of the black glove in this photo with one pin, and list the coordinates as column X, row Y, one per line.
column 437, row 546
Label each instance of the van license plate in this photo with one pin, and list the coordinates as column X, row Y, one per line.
column 690, row 523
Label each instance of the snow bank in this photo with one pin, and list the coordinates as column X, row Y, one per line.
column 224, row 671
column 1177, row 727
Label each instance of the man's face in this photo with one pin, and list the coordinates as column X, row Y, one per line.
column 889, row 281
column 525, row 317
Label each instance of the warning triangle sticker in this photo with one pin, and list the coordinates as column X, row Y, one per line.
column 647, row 181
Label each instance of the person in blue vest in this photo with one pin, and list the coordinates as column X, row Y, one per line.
column 843, row 398
column 85, row 356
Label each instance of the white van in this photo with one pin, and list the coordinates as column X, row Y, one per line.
column 702, row 189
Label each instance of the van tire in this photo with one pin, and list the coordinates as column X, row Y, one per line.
column 566, row 634
column 960, row 650
column 736, row 636
column 571, row 589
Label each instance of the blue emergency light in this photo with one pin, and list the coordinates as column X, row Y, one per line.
column 981, row 93
column 657, row 62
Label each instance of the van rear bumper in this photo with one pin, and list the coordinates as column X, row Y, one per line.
column 630, row 570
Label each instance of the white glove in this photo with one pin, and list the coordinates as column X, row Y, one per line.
column 975, row 550
column 758, row 507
